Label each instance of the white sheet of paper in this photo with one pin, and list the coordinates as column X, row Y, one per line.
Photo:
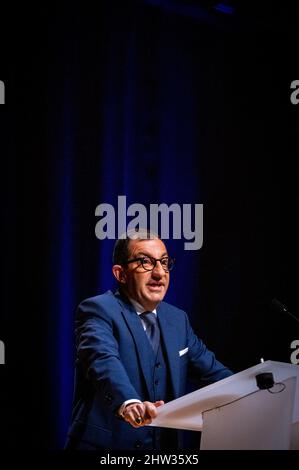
column 186, row 412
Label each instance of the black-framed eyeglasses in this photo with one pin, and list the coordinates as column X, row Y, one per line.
column 148, row 263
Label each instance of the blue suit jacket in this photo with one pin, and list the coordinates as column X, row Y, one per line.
column 114, row 363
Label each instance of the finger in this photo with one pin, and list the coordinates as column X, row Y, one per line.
column 130, row 416
column 135, row 425
column 133, row 417
column 140, row 408
column 132, row 422
column 139, row 421
column 151, row 411
column 158, row 403
column 136, row 410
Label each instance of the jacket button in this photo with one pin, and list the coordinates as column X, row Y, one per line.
column 108, row 397
column 138, row 444
column 158, row 365
column 157, row 382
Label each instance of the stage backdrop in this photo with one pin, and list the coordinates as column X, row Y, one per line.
column 162, row 105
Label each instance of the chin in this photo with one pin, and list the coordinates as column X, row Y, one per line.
column 156, row 298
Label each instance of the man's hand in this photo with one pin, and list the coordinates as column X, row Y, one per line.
column 140, row 414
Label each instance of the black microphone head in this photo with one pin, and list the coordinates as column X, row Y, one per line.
column 264, row 380
column 279, row 306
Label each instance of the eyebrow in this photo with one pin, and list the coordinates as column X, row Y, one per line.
column 150, row 256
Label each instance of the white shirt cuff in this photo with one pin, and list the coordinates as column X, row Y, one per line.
column 122, row 408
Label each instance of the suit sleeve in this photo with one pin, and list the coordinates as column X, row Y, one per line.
column 97, row 352
column 204, row 367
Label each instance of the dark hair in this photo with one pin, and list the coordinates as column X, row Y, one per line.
column 121, row 251
column 121, row 247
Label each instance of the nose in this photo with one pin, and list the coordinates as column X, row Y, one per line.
column 158, row 269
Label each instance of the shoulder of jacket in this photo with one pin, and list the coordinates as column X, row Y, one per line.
column 104, row 302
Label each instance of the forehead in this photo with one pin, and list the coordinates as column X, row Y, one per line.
column 152, row 247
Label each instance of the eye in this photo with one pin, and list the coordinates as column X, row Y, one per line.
column 146, row 261
column 164, row 262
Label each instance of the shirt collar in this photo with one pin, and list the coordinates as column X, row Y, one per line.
column 139, row 309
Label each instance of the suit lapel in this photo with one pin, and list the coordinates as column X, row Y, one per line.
column 170, row 337
column 143, row 346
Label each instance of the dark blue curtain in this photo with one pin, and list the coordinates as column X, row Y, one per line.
column 159, row 106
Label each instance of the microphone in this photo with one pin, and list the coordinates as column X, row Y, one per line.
column 280, row 307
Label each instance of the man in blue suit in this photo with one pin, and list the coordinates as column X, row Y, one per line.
column 134, row 352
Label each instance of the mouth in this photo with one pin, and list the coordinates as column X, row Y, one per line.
column 155, row 286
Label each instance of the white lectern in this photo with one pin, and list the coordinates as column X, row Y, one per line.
column 235, row 414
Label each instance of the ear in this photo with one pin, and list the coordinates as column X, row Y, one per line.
column 119, row 273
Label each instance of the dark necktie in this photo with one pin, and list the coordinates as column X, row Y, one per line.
column 152, row 329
